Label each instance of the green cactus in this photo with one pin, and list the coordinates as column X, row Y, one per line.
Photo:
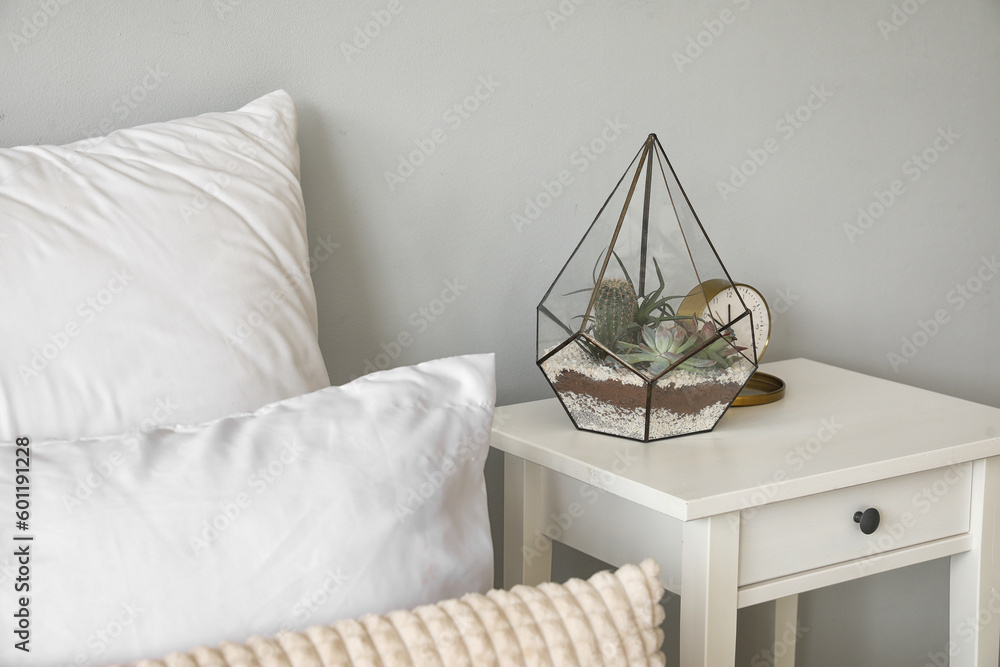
column 615, row 310
column 619, row 314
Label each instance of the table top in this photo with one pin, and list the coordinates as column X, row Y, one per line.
column 834, row 428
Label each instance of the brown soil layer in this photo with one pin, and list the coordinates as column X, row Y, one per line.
column 689, row 400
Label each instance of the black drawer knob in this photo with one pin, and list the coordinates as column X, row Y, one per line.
column 868, row 519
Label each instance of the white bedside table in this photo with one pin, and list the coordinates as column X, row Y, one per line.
column 762, row 508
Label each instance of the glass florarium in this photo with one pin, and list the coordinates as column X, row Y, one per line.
column 629, row 335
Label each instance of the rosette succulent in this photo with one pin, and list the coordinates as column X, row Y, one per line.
column 668, row 342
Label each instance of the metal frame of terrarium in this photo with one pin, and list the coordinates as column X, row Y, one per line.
column 645, row 156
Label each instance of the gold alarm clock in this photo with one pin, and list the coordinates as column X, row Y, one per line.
column 719, row 300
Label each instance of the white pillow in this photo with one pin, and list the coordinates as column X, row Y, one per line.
column 157, row 275
column 363, row 498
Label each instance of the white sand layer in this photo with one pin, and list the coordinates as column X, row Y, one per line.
column 575, row 358
column 594, row 415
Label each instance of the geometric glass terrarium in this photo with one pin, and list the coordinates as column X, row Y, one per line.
column 626, row 336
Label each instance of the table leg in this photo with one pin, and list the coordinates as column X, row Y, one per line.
column 527, row 552
column 975, row 577
column 786, row 629
column 709, row 568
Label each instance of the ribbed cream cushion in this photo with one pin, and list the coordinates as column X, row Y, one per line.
column 610, row 619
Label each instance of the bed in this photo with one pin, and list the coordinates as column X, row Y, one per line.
column 177, row 470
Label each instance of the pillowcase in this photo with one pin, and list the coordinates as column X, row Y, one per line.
column 355, row 499
column 610, row 619
column 162, row 276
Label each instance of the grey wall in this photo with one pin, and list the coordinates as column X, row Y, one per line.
column 895, row 76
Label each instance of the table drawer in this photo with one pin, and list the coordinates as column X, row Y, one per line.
column 792, row 536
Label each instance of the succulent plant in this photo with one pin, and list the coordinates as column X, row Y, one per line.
column 615, row 310
column 619, row 314
column 667, row 342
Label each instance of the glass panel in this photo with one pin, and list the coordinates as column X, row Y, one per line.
column 568, row 298
column 692, row 398
column 710, row 276
column 603, row 397
column 551, row 333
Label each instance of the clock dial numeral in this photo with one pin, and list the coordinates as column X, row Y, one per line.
column 750, row 332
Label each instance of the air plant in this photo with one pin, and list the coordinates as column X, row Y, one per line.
column 653, row 303
column 668, row 342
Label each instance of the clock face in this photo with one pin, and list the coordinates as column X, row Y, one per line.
column 750, row 332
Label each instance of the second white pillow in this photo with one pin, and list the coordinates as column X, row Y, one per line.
column 363, row 498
